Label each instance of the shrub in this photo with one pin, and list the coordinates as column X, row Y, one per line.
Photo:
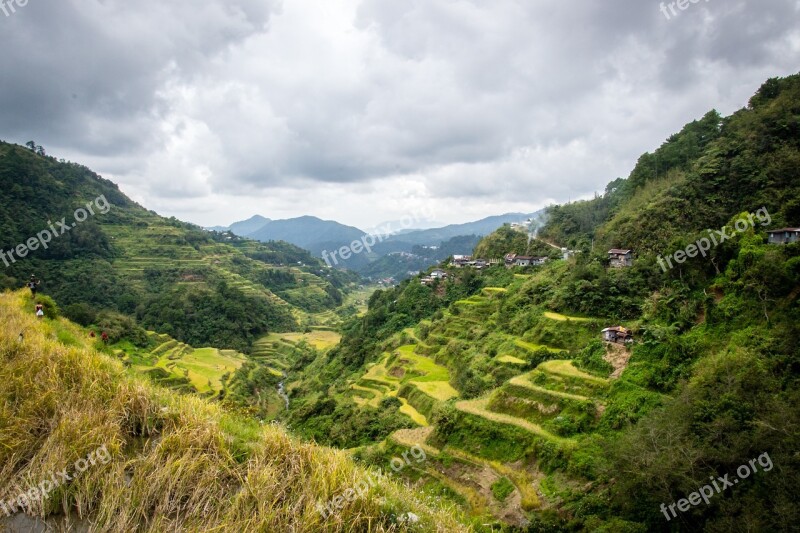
column 502, row 488
column 81, row 313
column 591, row 359
column 120, row 327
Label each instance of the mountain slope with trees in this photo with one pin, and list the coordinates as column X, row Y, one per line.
column 203, row 288
column 502, row 373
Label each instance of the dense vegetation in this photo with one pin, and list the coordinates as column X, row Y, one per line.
column 203, row 288
column 501, row 374
column 710, row 383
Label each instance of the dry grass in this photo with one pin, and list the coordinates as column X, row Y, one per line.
column 179, row 462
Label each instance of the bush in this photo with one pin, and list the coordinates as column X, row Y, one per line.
column 591, row 359
column 120, row 327
column 81, row 313
column 502, row 488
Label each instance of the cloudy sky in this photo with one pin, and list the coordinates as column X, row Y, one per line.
column 369, row 110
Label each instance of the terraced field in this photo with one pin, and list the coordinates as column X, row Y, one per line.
column 564, row 318
column 567, row 370
column 161, row 247
column 480, row 408
column 319, row 339
column 277, row 350
column 555, row 404
column 184, row 368
column 535, row 347
column 510, row 359
column 416, row 380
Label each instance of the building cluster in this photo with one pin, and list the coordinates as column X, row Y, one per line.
column 464, row 261
column 514, row 260
column 510, row 260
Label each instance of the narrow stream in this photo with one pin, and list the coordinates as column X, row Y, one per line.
column 282, row 394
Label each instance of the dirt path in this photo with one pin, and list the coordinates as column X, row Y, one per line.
column 619, row 356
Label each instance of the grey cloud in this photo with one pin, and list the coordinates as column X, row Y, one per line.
column 86, row 75
column 253, row 97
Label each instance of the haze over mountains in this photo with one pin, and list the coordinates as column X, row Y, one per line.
column 317, row 236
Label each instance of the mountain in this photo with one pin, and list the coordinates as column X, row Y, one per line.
column 251, row 225
column 481, row 227
column 533, row 414
column 95, row 251
column 307, row 232
column 388, row 258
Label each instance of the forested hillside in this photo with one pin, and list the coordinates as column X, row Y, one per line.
column 203, row 288
column 698, row 179
column 531, row 419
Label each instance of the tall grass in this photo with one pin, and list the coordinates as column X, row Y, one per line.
column 179, row 463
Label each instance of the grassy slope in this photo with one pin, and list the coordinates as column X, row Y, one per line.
column 179, row 462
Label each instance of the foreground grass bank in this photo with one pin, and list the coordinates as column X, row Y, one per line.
column 177, row 462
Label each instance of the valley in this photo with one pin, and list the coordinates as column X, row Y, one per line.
column 239, row 383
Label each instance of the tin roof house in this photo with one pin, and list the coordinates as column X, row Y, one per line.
column 617, row 334
column 620, row 258
column 784, row 236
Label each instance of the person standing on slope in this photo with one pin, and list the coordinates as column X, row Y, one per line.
column 33, row 284
column 39, row 310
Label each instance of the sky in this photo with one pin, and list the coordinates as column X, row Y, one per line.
column 363, row 111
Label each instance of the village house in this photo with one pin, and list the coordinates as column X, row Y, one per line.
column 620, row 258
column 784, row 236
column 463, row 261
column 512, row 260
column 567, row 253
column 438, row 274
column 460, row 261
column 617, row 334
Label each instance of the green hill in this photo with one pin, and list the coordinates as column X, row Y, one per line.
column 532, row 420
column 714, row 169
column 202, row 288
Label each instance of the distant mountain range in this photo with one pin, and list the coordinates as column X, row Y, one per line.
column 318, row 236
